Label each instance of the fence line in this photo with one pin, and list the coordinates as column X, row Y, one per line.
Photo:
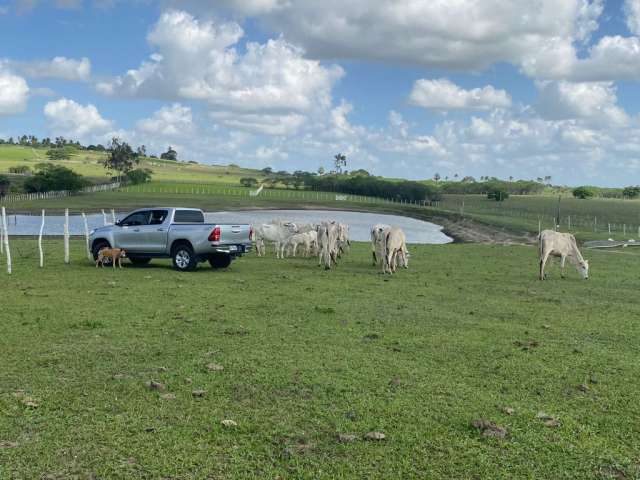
column 18, row 197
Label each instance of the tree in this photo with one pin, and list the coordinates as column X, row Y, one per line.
column 121, row 157
column 321, row 171
column 339, row 160
column 58, row 154
column 583, row 192
column 51, row 177
column 4, row 185
column 498, row 194
column 436, row 177
column 631, row 192
column 249, row 182
column 20, row 169
column 267, row 170
column 170, row 154
column 142, row 151
column 138, row 176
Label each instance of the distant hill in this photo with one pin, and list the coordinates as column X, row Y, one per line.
column 87, row 163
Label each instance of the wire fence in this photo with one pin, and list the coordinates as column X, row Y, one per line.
column 20, row 197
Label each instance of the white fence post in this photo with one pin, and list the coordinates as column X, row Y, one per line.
column 86, row 236
column 66, row 235
column 113, row 215
column 40, row 241
column 104, row 217
column 6, row 239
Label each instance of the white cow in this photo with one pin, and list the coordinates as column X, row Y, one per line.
column 561, row 245
column 395, row 248
column 377, row 246
column 308, row 239
column 327, row 244
column 278, row 234
column 343, row 238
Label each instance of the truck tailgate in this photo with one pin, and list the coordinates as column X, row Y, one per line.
column 234, row 234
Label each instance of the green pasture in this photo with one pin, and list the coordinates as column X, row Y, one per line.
column 297, row 356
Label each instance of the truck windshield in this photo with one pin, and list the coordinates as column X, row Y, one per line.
column 188, row 216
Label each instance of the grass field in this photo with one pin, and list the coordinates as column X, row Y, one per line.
column 582, row 217
column 308, row 355
column 88, row 163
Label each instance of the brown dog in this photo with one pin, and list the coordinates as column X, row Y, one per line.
column 114, row 254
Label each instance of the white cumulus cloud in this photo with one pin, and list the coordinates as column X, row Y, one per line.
column 73, row 120
column 632, row 11
column 270, row 87
column 59, row 67
column 592, row 102
column 14, row 92
column 442, row 94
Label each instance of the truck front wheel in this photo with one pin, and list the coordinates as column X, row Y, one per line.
column 220, row 261
column 184, row 258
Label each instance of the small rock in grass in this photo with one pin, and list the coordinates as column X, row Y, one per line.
column 489, row 429
column 508, row 410
column 153, row 385
column 198, row 393
column 168, row 396
column 583, row 387
column 214, row 367
column 163, row 369
column 375, row 436
column 546, row 327
column 347, row 437
column 7, row 444
column 548, row 420
column 229, row 423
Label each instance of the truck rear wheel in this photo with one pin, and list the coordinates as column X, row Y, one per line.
column 97, row 246
column 220, row 261
column 184, row 258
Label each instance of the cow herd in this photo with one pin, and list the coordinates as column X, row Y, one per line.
column 329, row 241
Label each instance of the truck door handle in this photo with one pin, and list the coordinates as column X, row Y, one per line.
column 136, row 229
column 161, row 229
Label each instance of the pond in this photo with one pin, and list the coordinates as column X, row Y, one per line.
column 360, row 223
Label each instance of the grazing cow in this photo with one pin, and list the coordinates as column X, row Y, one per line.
column 561, row 245
column 308, row 239
column 395, row 243
column 377, row 246
column 278, row 234
column 327, row 244
column 343, row 238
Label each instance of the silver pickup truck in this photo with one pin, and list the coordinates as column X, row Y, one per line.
column 176, row 233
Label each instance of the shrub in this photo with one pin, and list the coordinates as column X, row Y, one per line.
column 631, row 192
column 498, row 194
column 138, row 176
column 249, row 182
column 583, row 192
column 54, row 177
column 20, row 169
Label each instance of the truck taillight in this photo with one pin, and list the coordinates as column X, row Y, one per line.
column 215, row 235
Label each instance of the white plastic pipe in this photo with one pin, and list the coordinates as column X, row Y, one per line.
column 66, row 235
column 40, row 241
column 6, row 239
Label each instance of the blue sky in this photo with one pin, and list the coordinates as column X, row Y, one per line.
column 407, row 89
